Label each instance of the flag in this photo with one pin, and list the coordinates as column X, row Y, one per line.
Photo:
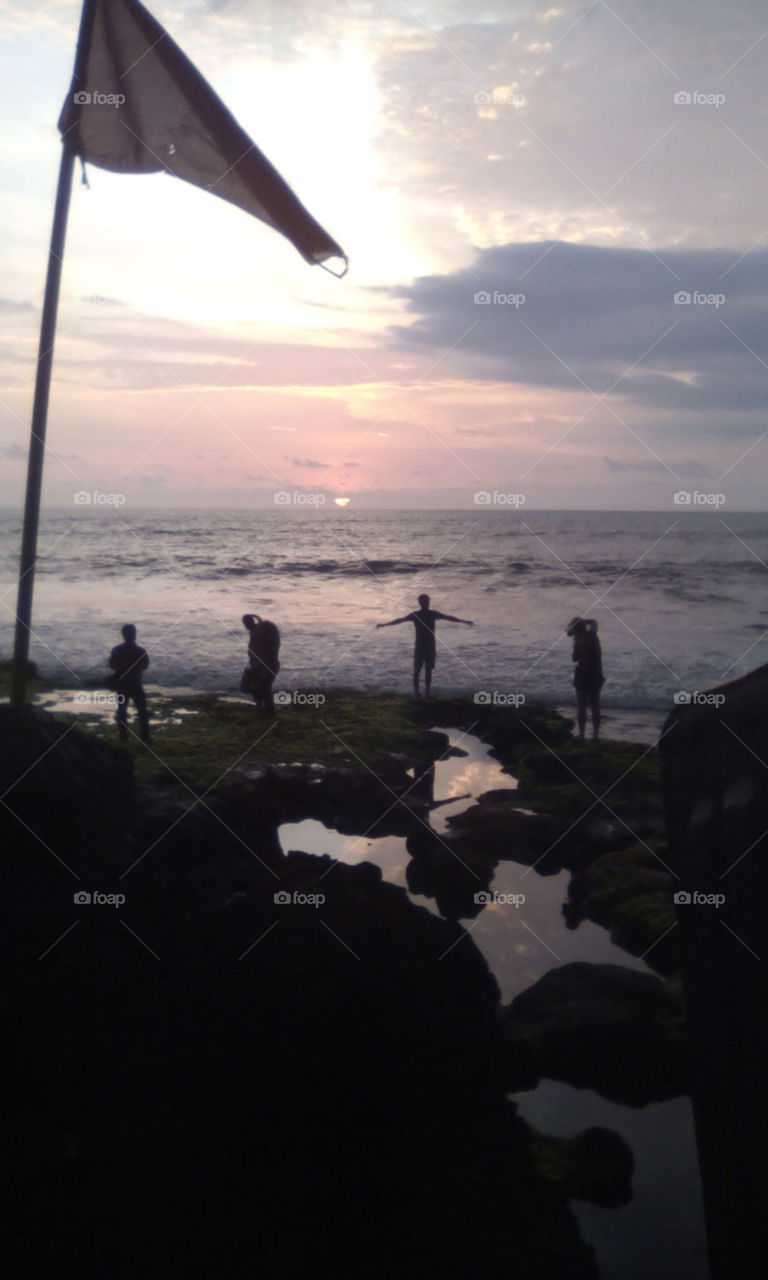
column 140, row 106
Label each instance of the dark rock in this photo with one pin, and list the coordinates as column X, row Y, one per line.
column 714, row 771
column 596, row 1165
column 605, row 1028
column 630, row 893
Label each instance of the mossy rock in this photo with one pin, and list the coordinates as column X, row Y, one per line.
column 595, row 1165
column 630, row 892
column 349, row 729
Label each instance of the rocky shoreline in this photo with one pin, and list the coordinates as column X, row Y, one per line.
column 315, row 1080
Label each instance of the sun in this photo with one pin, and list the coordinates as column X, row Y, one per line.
column 341, row 502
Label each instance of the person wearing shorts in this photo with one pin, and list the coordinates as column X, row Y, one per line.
column 425, row 646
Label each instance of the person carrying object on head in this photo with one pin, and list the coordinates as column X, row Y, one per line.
column 588, row 675
column 263, row 661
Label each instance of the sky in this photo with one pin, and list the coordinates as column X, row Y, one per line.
column 557, row 227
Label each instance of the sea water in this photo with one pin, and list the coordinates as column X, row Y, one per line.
column 680, row 597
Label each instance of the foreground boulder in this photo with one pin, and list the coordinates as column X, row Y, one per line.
column 605, row 1028
column 714, row 763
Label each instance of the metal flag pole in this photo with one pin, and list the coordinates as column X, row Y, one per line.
column 28, row 558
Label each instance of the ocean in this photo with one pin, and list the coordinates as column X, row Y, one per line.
column 679, row 596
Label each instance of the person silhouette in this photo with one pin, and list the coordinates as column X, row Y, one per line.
column 263, row 662
column 588, row 675
column 425, row 646
column 128, row 660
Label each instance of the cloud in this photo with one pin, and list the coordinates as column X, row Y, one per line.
column 687, row 467
column 602, row 320
column 308, row 462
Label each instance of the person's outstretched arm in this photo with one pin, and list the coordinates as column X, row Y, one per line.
column 394, row 622
column 448, row 617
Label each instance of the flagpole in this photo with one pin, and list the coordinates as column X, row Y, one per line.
column 36, row 458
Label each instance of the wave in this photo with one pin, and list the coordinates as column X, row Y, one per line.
column 349, row 568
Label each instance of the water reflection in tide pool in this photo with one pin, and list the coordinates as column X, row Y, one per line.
column 521, row 943
column 661, row 1231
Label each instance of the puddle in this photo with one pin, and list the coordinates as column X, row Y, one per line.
column 100, row 705
column 665, row 1217
column 521, row 943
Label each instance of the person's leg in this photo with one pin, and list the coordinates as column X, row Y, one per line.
column 418, row 663
column 122, row 716
column 268, row 700
column 428, row 676
column 581, row 711
column 140, row 703
column 595, row 701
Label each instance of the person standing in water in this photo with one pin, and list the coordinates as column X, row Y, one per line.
column 425, row 647
column 128, row 660
column 588, row 675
